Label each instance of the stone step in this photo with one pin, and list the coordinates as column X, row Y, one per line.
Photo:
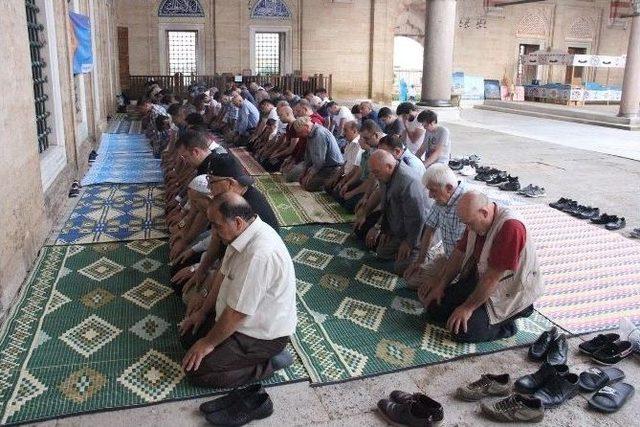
column 592, row 119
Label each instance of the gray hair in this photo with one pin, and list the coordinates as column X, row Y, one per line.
column 440, row 175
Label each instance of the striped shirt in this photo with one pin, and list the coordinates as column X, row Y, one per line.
column 445, row 218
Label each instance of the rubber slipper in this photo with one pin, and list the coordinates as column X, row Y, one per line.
column 596, row 378
column 611, row 398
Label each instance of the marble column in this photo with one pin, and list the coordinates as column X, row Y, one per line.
column 438, row 53
column 630, row 102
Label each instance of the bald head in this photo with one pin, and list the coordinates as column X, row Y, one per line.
column 285, row 113
column 230, row 214
column 476, row 211
column 232, row 205
column 382, row 164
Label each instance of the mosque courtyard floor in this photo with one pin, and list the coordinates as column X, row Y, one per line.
column 609, row 181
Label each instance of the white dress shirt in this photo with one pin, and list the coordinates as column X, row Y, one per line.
column 260, row 282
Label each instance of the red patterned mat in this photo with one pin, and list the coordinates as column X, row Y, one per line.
column 247, row 161
column 592, row 275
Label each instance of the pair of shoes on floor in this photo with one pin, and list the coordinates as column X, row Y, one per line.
column 239, row 407
column 490, row 174
column 610, row 392
column 532, row 191
column 572, row 207
column 488, row 385
column 510, row 183
column 459, row 164
column 408, row 409
column 552, row 384
column 607, row 349
column 513, row 408
column 75, row 189
column 610, row 222
column 551, row 347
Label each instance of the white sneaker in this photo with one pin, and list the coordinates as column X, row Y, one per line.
column 468, row 171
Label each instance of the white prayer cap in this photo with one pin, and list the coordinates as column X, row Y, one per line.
column 200, row 184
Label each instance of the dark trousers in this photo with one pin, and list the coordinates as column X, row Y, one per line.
column 370, row 221
column 318, row 181
column 348, row 204
column 239, row 360
column 272, row 166
column 478, row 327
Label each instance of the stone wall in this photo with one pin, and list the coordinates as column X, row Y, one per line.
column 334, row 37
column 323, row 37
column 34, row 186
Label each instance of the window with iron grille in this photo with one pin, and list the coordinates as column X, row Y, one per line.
column 39, row 73
column 183, row 56
column 268, row 52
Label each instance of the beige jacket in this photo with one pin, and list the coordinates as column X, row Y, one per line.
column 517, row 289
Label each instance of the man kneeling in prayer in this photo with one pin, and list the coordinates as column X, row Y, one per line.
column 240, row 332
column 499, row 278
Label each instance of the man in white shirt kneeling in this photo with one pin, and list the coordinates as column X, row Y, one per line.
column 240, row 332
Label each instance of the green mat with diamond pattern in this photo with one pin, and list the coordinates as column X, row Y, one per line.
column 355, row 319
column 94, row 329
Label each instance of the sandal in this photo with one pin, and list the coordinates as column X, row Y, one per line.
column 611, row 398
column 596, row 378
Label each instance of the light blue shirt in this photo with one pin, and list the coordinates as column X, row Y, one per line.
column 248, row 118
column 322, row 149
column 413, row 162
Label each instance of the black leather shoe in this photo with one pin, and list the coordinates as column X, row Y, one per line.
column 231, row 398
column 427, row 403
column 558, row 389
column 558, row 351
column 616, row 225
column 419, row 412
column 253, row 407
column 531, row 383
column 539, row 349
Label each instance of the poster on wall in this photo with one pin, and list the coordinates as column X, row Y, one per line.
column 83, row 56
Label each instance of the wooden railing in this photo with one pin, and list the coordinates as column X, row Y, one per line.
column 179, row 83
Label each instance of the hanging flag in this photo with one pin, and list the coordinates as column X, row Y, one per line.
column 83, row 55
column 619, row 9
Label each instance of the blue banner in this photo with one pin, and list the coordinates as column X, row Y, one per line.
column 83, row 56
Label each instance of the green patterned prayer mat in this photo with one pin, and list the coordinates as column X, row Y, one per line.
column 295, row 206
column 355, row 319
column 95, row 329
